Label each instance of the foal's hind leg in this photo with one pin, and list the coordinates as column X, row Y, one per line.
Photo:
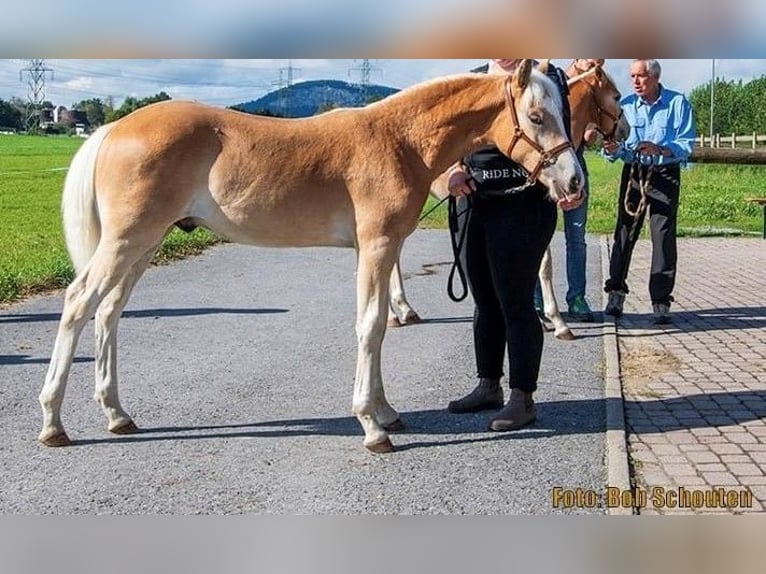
column 107, row 317
column 550, row 305
column 105, row 270
column 400, row 311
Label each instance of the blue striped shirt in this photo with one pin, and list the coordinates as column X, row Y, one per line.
column 668, row 122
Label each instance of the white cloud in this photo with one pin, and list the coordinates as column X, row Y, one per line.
column 231, row 81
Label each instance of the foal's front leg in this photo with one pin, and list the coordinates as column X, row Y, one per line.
column 370, row 405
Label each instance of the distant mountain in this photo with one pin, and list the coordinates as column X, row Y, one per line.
column 307, row 98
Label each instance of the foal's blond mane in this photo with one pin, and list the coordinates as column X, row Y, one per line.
column 431, row 93
column 466, row 102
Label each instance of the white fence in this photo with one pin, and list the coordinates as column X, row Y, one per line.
column 732, row 141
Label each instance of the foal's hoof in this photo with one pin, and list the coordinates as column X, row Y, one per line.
column 58, row 439
column 381, row 447
column 411, row 318
column 125, row 428
column 395, row 426
column 566, row 335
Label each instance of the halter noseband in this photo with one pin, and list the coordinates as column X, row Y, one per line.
column 547, row 158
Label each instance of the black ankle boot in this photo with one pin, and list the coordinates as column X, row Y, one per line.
column 487, row 395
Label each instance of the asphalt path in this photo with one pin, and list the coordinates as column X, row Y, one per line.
column 238, row 367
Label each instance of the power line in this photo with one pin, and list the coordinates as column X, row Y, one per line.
column 364, row 70
column 283, row 86
column 36, row 70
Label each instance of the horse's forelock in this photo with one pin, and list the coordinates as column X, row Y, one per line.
column 541, row 88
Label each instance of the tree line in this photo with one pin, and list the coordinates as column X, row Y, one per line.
column 739, row 108
column 14, row 112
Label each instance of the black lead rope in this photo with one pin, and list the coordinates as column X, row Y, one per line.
column 457, row 246
column 430, row 211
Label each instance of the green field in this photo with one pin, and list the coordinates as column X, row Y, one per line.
column 33, row 257
column 712, row 199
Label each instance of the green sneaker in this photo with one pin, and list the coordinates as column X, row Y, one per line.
column 580, row 311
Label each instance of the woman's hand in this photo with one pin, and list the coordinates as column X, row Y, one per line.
column 571, row 202
column 459, row 184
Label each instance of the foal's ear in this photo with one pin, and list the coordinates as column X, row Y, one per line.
column 521, row 77
column 543, row 66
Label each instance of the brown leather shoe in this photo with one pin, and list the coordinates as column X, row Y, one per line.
column 519, row 412
column 487, row 395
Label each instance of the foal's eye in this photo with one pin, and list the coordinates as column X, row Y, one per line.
column 536, row 119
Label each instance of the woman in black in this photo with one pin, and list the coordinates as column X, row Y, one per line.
column 509, row 228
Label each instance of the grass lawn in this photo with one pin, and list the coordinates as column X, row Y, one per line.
column 33, row 256
column 712, row 199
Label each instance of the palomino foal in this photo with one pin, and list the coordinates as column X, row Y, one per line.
column 348, row 178
column 594, row 101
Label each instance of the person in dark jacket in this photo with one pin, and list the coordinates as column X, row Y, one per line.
column 509, row 227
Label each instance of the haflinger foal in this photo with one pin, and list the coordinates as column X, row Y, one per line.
column 347, row 178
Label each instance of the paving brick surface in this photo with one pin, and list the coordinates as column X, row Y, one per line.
column 695, row 390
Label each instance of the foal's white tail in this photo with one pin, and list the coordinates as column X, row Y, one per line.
column 82, row 227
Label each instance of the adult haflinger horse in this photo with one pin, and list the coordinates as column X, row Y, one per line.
column 348, row 178
column 594, row 101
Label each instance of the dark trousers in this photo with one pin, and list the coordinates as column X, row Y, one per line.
column 662, row 204
column 505, row 243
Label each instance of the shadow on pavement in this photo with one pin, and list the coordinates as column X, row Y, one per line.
column 562, row 417
column 702, row 320
column 145, row 313
column 704, row 410
column 27, row 360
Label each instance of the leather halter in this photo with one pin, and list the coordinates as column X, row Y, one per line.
column 547, row 158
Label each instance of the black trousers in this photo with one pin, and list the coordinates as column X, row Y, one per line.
column 662, row 204
column 505, row 243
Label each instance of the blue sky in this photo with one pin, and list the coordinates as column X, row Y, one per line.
column 225, row 82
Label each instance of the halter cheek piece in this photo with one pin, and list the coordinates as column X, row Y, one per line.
column 547, row 158
column 601, row 111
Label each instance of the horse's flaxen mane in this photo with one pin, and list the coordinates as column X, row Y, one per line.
column 429, row 93
column 591, row 73
column 608, row 79
column 432, row 92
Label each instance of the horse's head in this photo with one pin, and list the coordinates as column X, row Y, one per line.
column 537, row 138
column 595, row 102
